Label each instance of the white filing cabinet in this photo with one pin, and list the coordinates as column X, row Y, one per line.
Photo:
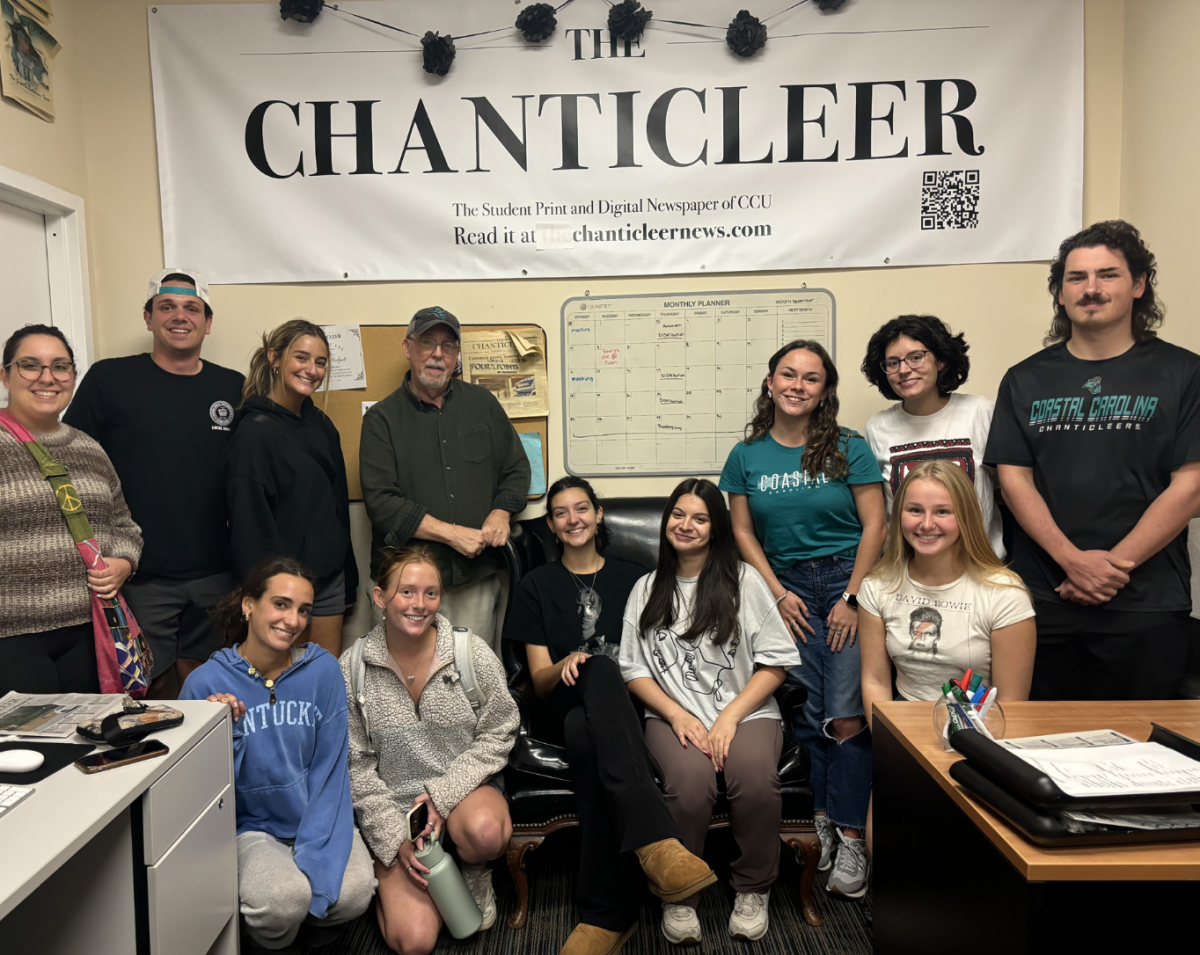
column 189, row 837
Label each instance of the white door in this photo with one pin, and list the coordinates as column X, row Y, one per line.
column 24, row 270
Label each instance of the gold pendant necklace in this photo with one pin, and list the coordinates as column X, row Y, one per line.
column 269, row 684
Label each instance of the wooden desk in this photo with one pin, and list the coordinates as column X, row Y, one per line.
column 948, row 867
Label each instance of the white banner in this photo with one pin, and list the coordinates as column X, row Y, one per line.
column 901, row 132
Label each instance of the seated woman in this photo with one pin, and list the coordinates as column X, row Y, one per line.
column 415, row 737
column 704, row 648
column 47, row 642
column 300, row 859
column 568, row 612
column 940, row 601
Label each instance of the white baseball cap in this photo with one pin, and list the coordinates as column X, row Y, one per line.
column 157, row 288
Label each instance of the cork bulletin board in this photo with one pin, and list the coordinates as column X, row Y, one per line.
column 383, row 357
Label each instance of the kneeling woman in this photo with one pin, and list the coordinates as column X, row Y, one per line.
column 569, row 613
column 415, row 737
column 299, row 856
column 704, row 648
column 940, row 601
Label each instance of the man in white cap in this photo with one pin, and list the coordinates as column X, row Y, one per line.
column 163, row 418
column 441, row 463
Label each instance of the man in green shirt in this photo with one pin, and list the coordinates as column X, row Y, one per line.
column 441, row 463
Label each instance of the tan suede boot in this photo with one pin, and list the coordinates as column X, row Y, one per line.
column 590, row 940
column 674, row 873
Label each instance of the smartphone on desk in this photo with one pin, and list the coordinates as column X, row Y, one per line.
column 122, row 755
column 418, row 819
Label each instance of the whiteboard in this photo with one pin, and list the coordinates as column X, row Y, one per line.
column 665, row 384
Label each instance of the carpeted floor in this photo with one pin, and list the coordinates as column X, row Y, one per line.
column 551, row 871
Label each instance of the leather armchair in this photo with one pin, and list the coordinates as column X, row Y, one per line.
column 538, row 775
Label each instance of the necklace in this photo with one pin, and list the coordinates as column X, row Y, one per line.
column 589, row 603
column 254, row 672
column 408, row 677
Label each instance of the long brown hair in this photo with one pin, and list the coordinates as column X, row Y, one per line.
column 974, row 550
column 718, row 591
column 228, row 621
column 260, row 377
column 823, row 453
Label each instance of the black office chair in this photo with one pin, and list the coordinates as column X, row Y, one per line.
column 538, row 775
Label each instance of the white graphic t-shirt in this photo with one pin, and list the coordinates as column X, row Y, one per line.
column 957, row 433
column 701, row 675
column 934, row 634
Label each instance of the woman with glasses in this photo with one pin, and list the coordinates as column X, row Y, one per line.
column 917, row 362
column 47, row 644
column 287, row 477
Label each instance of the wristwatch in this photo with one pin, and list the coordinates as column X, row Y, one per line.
column 851, row 600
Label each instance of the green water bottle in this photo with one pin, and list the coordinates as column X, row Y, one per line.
column 448, row 890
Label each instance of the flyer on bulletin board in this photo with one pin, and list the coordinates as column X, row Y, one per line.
column 511, row 365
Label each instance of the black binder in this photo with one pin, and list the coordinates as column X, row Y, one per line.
column 1029, row 800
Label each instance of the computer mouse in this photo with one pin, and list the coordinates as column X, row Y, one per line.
column 20, row 760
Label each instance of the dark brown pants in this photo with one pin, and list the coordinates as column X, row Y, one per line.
column 751, row 783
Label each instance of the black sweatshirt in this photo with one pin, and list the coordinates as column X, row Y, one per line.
column 287, row 490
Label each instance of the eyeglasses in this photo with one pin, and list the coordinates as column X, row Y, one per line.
column 915, row 360
column 430, row 344
column 31, row 369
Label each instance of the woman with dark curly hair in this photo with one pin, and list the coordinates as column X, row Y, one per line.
column 918, row 362
column 808, row 515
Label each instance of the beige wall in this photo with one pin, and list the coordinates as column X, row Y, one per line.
column 1160, row 143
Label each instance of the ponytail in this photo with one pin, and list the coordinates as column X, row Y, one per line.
column 261, row 375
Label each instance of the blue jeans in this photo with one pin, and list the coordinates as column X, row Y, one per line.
column 841, row 769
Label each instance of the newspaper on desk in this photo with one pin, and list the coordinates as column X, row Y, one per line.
column 1122, row 770
column 1069, row 740
column 55, row 715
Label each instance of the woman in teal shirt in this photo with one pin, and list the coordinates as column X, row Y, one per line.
column 806, row 498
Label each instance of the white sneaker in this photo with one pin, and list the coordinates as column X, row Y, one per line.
column 680, row 924
column 850, row 871
column 749, row 918
column 827, row 833
column 479, row 881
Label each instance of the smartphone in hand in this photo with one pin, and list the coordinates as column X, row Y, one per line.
column 418, row 819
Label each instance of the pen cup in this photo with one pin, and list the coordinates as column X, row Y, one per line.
column 941, row 722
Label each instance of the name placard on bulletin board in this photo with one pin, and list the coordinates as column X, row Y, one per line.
column 383, row 355
column 664, row 384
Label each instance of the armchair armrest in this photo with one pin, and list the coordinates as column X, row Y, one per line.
column 790, row 697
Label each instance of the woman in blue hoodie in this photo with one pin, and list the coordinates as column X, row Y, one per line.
column 299, row 854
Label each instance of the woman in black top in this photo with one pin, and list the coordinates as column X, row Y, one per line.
column 569, row 614
column 287, row 478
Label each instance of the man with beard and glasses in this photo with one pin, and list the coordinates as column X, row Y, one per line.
column 440, row 462
column 1097, row 440
column 164, row 420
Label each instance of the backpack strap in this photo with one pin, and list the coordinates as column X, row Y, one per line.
column 464, row 662
column 358, row 679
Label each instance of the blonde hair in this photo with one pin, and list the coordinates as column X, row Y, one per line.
column 395, row 559
column 260, row 377
column 974, row 550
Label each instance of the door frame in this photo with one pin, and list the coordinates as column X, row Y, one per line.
column 66, row 255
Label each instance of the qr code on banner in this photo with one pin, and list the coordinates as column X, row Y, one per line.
column 950, row 199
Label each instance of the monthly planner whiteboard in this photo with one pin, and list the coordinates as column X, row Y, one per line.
column 665, row 384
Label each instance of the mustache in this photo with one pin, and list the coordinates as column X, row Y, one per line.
column 1091, row 300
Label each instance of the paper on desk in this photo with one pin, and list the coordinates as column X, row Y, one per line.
column 53, row 715
column 1168, row 817
column 1126, row 770
column 346, row 368
column 1069, row 740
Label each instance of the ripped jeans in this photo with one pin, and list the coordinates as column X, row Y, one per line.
column 841, row 771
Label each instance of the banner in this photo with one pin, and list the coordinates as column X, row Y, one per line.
column 888, row 132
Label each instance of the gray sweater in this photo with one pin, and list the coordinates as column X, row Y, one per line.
column 43, row 581
column 433, row 744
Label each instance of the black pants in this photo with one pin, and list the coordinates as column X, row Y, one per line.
column 54, row 661
column 620, row 806
column 1118, row 655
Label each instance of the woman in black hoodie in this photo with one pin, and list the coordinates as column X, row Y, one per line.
column 287, row 477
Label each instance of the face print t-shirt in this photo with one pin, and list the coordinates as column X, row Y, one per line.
column 936, row 633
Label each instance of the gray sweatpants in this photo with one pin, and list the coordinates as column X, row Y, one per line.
column 274, row 895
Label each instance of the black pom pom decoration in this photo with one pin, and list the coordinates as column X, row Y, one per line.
column 302, row 11
column 830, row 4
column 746, row 34
column 536, row 22
column 627, row 20
column 438, row 53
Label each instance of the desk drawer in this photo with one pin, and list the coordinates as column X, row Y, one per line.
column 192, row 891
column 175, row 801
